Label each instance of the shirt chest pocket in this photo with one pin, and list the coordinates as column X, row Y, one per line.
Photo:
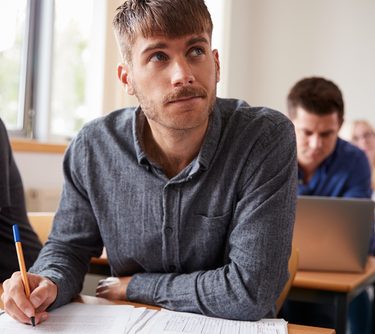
column 203, row 241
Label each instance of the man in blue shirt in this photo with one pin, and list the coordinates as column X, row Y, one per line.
column 327, row 165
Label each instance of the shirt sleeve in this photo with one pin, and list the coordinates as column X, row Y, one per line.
column 257, row 249
column 358, row 184
column 4, row 167
column 75, row 236
column 13, row 211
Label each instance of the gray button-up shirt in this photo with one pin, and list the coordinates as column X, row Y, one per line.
column 215, row 239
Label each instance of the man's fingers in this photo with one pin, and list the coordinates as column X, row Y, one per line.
column 15, row 312
column 40, row 317
column 43, row 295
column 22, row 308
column 14, row 297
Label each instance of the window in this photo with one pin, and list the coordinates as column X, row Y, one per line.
column 58, row 64
column 12, row 41
column 76, row 65
column 51, row 65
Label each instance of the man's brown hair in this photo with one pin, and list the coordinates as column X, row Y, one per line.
column 172, row 18
column 317, row 96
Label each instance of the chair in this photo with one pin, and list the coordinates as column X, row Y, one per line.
column 292, row 267
column 41, row 223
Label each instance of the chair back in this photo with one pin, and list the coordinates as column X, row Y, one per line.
column 292, row 267
column 41, row 223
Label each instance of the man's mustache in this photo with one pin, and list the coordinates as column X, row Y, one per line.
column 184, row 92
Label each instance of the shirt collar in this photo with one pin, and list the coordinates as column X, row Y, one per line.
column 206, row 152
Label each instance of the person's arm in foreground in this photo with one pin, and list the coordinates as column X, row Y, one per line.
column 64, row 259
column 13, row 211
column 257, row 250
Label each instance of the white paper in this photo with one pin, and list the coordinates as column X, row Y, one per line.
column 168, row 322
column 76, row 318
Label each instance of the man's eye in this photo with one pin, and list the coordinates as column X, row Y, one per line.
column 197, row 51
column 159, row 56
column 326, row 134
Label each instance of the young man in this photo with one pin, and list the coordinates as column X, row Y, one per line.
column 192, row 196
column 327, row 166
column 13, row 211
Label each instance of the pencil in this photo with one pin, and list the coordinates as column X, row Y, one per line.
column 21, row 263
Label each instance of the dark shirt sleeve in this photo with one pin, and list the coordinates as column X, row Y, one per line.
column 358, row 184
column 13, row 211
column 75, row 236
column 258, row 246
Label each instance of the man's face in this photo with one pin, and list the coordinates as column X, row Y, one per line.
column 173, row 79
column 316, row 137
column 364, row 137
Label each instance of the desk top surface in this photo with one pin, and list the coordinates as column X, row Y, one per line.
column 292, row 329
column 335, row 281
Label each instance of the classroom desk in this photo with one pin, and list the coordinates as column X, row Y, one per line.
column 292, row 329
column 333, row 288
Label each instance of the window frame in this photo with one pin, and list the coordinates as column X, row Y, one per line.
column 37, row 36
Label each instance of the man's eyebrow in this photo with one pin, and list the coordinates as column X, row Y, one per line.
column 199, row 39
column 162, row 45
column 326, row 132
column 154, row 46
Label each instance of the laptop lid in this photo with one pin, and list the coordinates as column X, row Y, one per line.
column 333, row 234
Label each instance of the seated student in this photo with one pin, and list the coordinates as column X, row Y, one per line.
column 362, row 134
column 13, row 211
column 193, row 196
column 327, row 166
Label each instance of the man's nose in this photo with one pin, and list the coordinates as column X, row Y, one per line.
column 315, row 142
column 181, row 73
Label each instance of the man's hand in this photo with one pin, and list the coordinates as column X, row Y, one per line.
column 113, row 288
column 19, row 307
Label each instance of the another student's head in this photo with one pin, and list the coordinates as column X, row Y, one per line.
column 363, row 135
column 316, row 107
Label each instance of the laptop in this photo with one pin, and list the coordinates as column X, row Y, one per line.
column 333, row 234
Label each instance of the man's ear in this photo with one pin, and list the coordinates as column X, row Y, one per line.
column 217, row 64
column 125, row 77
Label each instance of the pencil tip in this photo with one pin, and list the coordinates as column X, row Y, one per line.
column 33, row 321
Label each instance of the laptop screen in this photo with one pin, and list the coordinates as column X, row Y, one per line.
column 333, row 234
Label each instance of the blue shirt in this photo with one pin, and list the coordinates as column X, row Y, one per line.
column 345, row 173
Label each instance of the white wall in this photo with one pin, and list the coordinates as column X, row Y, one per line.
column 40, row 170
column 42, row 179
column 273, row 44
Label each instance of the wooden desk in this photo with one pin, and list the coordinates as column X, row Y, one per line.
column 292, row 329
column 333, row 288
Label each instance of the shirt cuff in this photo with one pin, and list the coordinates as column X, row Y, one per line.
column 142, row 287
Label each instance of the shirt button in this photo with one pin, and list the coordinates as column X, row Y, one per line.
column 169, row 230
column 172, row 268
